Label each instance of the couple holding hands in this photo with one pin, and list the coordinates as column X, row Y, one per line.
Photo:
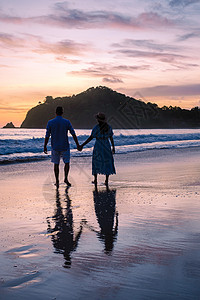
column 102, row 157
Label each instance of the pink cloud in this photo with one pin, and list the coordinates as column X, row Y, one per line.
column 63, row 47
column 149, row 49
column 99, row 69
column 153, row 19
column 4, row 66
column 39, row 45
column 164, row 57
column 8, row 40
column 171, row 90
column 63, row 58
column 131, row 68
column 109, row 73
column 11, row 19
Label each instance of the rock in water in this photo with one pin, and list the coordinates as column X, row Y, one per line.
column 9, row 125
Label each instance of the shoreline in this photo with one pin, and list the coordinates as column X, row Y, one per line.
column 136, row 154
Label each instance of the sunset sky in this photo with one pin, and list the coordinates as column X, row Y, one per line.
column 145, row 49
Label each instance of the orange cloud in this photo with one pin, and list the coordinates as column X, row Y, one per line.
column 63, row 47
column 9, row 40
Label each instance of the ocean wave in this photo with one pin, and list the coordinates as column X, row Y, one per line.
column 35, row 145
column 30, row 156
column 21, row 145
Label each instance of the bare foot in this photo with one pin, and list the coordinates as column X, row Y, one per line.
column 57, row 184
column 67, row 182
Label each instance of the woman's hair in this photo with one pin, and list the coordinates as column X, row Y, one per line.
column 103, row 127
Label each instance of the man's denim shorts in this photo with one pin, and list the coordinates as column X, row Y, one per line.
column 56, row 155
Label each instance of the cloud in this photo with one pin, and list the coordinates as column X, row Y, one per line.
column 187, row 36
column 164, row 57
column 9, row 40
column 4, row 66
column 149, row 49
column 112, row 79
column 147, row 44
column 62, row 58
column 172, row 90
column 94, row 71
column 182, row 66
column 130, row 68
column 11, row 19
column 65, row 17
column 13, row 109
column 64, row 47
column 103, row 72
column 152, row 19
column 75, row 18
column 174, row 3
column 39, row 45
column 109, row 73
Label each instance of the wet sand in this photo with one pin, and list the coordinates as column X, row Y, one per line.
column 138, row 240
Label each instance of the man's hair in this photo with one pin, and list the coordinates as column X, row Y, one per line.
column 59, row 110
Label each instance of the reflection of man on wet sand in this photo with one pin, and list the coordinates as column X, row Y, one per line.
column 104, row 202
column 62, row 233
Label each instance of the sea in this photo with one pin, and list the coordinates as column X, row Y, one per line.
column 24, row 145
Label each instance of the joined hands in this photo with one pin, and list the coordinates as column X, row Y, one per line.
column 45, row 149
column 79, row 147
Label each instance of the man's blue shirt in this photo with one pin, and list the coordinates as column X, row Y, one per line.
column 58, row 128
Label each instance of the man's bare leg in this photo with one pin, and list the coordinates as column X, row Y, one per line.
column 56, row 172
column 106, row 181
column 95, row 179
column 66, row 170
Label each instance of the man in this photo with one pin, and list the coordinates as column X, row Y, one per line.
column 58, row 129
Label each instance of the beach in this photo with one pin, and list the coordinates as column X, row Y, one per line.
column 138, row 240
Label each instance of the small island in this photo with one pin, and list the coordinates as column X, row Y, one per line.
column 9, row 125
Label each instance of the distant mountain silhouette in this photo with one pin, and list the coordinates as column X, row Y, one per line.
column 121, row 111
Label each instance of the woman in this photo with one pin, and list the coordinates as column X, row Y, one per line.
column 102, row 157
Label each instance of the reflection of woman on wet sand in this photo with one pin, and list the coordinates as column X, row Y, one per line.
column 104, row 202
column 62, row 233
